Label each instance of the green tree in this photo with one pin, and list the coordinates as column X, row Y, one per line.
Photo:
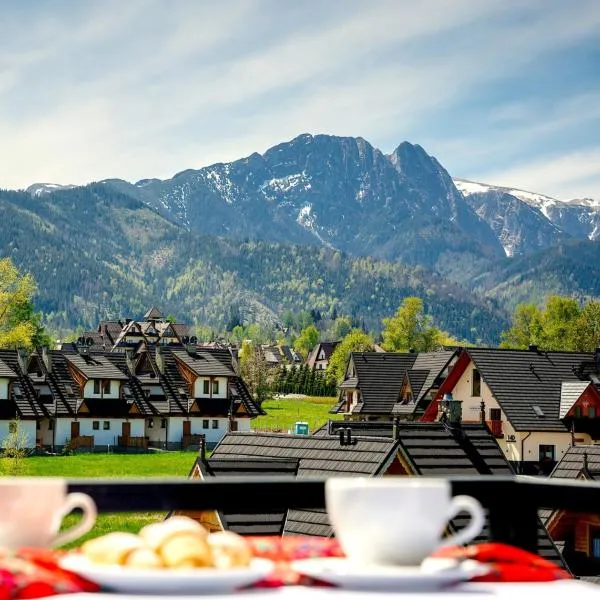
column 410, row 328
column 255, row 371
column 341, row 327
column 587, row 327
column 355, row 341
column 558, row 323
column 307, row 340
column 15, row 448
column 526, row 328
column 19, row 327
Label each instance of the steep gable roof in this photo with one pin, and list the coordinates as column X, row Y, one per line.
column 95, row 366
column 380, row 376
column 570, row 392
column 522, row 379
column 153, row 314
column 6, row 371
column 208, row 362
column 433, row 362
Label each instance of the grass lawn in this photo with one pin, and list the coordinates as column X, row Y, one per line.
column 284, row 412
column 168, row 464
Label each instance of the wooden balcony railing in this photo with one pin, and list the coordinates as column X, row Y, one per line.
column 512, row 502
column 127, row 441
column 496, row 428
column 192, row 440
column 82, row 441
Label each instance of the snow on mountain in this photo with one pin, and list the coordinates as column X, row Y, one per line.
column 39, row 189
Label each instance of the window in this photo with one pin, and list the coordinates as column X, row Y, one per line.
column 215, row 387
column 106, row 386
column 205, row 424
column 592, row 412
column 38, row 425
column 578, row 412
column 96, row 425
column 476, row 383
column 50, row 425
column 96, row 386
column 546, row 452
column 206, row 387
column 538, row 411
column 594, row 536
column 150, row 423
column 163, row 423
column 215, row 424
column 495, row 414
column 106, row 425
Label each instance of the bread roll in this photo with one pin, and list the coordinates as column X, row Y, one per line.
column 229, row 550
column 112, row 548
column 156, row 534
column 186, row 550
column 143, row 558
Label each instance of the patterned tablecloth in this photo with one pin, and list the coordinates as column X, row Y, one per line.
column 34, row 573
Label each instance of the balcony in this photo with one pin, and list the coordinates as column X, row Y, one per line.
column 496, row 428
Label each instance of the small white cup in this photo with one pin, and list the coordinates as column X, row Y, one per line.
column 397, row 520
column 32, row 509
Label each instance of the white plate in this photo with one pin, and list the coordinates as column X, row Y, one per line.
column 167, row 581
column 346, row 574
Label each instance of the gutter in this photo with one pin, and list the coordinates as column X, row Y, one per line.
column 523, row 450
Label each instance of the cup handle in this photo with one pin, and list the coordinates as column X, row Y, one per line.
column 476, row 524
column 87, row 505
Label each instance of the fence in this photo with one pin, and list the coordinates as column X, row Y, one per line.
column 512, row 502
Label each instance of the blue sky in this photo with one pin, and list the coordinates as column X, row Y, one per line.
column 501, row 91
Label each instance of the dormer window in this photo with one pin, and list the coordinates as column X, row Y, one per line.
column 206, row 387
column 215, row 387
column 102, row 384
column 476, row 383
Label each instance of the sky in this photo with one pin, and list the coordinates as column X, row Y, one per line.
column 501, row 91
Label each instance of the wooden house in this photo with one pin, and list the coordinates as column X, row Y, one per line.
column 380, row 385
column 320, row 355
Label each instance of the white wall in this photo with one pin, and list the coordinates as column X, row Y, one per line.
column 45, row 433
column 471, row 411
column 175, row 426
column 27, row 427
column 155, row 433
column 88, row 390
column 243, row 424
column 4, row 388
column 199, row 387
column 63, row 431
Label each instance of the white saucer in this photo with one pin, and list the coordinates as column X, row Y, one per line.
column 347, row 574
column 116, row 578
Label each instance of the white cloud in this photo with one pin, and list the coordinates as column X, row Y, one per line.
column 137, row 90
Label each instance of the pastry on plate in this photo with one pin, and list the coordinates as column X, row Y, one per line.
column 112, row 548
column 229, row 550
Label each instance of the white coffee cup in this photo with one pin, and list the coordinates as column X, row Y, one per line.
column 32, row 509
column 397, row 520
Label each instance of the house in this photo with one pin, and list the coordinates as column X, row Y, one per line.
column 164, row 396
column 153, row 329
column 279, row 355
column 379, row 385
column 366, row 449
column 577, row 534
column 536, row 403
column 320, row 355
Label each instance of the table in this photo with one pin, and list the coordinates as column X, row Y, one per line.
column 553, row 590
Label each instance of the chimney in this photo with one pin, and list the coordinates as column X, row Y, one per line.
column 395, row 434
column 129, row 354
column 191, row 350
column 22, row 358
column 47, row 358
column 160, row 359
column 451, row 409
column 533, row 348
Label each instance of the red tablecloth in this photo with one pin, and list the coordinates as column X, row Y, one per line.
column 33, row 573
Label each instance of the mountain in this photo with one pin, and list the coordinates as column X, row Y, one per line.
column 97, row 253
column 526, row 221
column 328, row 191
column 570, row 268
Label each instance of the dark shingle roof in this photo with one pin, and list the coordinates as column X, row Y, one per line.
column 380, row 376
column 244, row 524
column 153, row 313
column 520, row 379
column 23, row 394
column 6, row 371
column 95, row 366
column 317, row 456
column 434, row 363
column 207, row 362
